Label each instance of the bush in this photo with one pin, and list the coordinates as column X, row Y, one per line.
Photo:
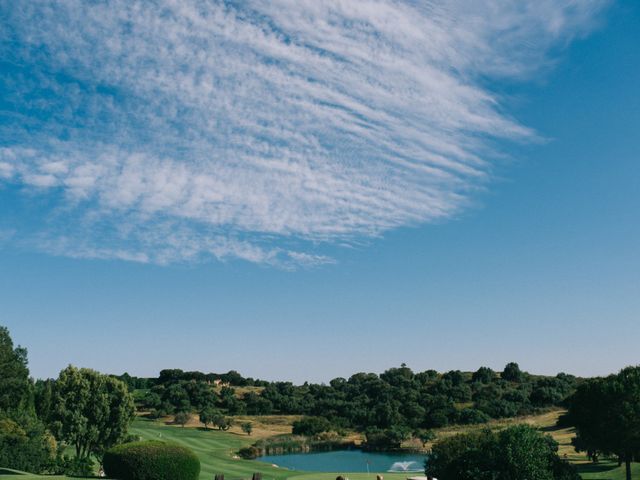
column 515, row 453
column 26, row 446
column 71, row 466
column 311, row 426
column 468, row 416
column 151, row 460
column 249, row 453
column 387, row 439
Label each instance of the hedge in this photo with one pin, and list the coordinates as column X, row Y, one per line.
column 151, row 460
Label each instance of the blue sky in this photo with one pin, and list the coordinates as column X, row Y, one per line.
column 302, row 191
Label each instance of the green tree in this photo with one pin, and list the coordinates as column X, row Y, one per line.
column 247, row 428
column 512, row 373
column 606, row 414
column 425, row 436
column 90, row 411
column 208, row 415
column 516, row 453
column 182, row 418
column 15, row 387
column 24, row 442
column 25, row 445
column 222, row 422
column 311, row 426
column 483, row 375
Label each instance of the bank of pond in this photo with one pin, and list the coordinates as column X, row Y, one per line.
column 354, row 460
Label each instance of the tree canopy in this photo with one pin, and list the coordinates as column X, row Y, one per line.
column 15, row 387
column 25, row 444
column 515, row 453
column 606, row 414
column 91, row 411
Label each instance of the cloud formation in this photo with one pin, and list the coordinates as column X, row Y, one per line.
column 177, row 130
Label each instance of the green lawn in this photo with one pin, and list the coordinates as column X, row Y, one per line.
column 607, row 471
column 216, row 451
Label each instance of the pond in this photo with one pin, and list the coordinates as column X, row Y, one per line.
column 344, row 461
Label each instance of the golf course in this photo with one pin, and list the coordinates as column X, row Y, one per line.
column 217, row 451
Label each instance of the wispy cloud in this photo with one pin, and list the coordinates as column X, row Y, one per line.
column 178, row 130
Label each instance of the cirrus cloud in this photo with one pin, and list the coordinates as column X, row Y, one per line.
column 171, row 131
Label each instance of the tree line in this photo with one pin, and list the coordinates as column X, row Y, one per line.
column 82, row 409
column 396, row 399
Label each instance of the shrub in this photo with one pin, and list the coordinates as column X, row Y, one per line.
column 387, row 439
column 469, row 416
column 515, row 453
column 249, row 453
column 311, row 426
column 151, row 460
column 25, row 446
column 71, row 466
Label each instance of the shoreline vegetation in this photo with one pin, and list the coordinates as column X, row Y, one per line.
column 281, row 445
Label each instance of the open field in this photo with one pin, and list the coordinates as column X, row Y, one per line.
column 216, row 449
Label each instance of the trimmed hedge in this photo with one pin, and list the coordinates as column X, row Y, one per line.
column 151, row 460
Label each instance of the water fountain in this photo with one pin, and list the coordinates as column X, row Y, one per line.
column 405, row 467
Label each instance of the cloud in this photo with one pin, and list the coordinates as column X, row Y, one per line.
column 172, row 131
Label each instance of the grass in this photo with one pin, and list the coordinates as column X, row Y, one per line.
column 216, row 449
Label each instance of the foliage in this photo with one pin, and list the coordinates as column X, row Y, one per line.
column 208, row 415
column 24, row 442
column 385, row 439
column 425, row 436
column 512, row 373
column 90, row 411
column 247, row 428
column 516, row 453
column 15, row 387
column 397, row 397
column 249, row 453
column 182, row 418
column 311, row 426
column 468, row 416
column 222, row 422
column 71, row 466
column 606, row 414
column 483, row 375
column 151, row 460
column 25, row 446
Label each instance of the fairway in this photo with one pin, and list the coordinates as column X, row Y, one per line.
column 216, row 450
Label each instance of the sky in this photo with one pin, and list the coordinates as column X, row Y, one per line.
column 302, row 190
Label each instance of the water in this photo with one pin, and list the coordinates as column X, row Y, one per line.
column 344, row 461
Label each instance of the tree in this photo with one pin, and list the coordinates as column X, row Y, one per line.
column 182, row 418
column 24, row 442
column 15, row 387
column 606, row 414
column 90, row 411
column 516, row 453
column 25, row 445
column 208, row 415
column 425, row 436
column 222, row 422
column 311, row 426
column 512, row 373
column 386, row 439
column 247, row 428
column 483, row 375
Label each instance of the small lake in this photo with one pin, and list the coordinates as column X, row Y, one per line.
column 344, row 461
